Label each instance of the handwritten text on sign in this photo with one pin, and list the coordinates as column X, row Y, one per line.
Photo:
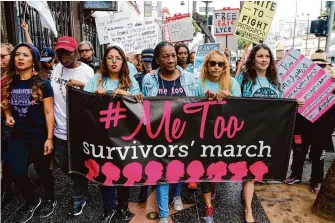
column 136, row 36
column 225, row 21
column 112, row 22
column 301, row 78
column 255, row 20
column 127, row 143
column 180, row 28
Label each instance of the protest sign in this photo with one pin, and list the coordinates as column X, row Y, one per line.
column 270, row 41
column 225, row 21
column 301, row 78
column 180, row 28
column 117, row 141
column 111, row 22
column 255, row 20
column 135, row 36
column 202, row 51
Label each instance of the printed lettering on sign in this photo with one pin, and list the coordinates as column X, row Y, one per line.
column 225, row 21
column 301, row 78
column 255, row 20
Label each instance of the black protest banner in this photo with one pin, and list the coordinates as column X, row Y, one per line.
column 181, row 139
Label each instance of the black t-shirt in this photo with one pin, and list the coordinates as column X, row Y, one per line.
column 95, row 63
column 170, row 88
column 29, row 118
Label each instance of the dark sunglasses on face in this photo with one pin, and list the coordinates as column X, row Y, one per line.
column 85, row 50
column 322, row 65
column 213, row 63
column 3, row 56
column 63, row 53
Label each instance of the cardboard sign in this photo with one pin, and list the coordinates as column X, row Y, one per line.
column 271, row 43
column 255, row 20
column 225, row 21
column 301, row 78
column 113, row 22
column 135, row 36
column 180, row 28
column 203, row 50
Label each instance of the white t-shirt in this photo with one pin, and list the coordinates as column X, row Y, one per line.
column 60, row 76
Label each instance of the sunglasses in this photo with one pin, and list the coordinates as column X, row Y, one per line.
column 85, row 50
column 322, row 65
column 64, row 53
column 213, row 63
column 3, row 56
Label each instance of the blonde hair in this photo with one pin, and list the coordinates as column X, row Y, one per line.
column 224, row 82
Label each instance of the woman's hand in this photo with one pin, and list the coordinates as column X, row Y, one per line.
column 119, row 91
column 223, row 94
column 24, row 26
column 10, row 122
column 301, row 102
column 48, row 146
column 210, row 95
column 100, row 91
column 139, row 97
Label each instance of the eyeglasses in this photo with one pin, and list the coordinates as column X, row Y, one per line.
column 64, row 53
column 84, row 50
column 322, row 65
column 117, row 59
column 213, row 63
column 3, row 56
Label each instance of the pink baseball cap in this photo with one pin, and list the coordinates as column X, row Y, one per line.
column 66, row 43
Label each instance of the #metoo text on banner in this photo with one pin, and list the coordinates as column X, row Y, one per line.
column 255, row 20
column 117, row 141
column 301, row 78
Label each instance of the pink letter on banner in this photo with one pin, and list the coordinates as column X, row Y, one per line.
column 303, row 79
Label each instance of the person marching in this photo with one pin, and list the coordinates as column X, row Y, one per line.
column 183, row 57
column 28, row 105
column 259, row 79
column 216, row 83
column 168, row 80
column 115, row 78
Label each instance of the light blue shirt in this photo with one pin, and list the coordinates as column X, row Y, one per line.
column 110, row 85
column 189, row 68
column 214, row 86
column 150, row 83
column 261, row 89
column 132, row 69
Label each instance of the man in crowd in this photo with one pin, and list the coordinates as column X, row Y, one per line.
column 86, row 53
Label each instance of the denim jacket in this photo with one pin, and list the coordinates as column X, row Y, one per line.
column 150, row 83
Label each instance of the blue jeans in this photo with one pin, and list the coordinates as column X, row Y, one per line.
column 80, row 183
column 162, row 193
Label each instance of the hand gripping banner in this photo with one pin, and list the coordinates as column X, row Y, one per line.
column 178, row 139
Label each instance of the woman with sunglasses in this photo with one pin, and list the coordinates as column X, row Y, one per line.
column 116, row 79
column 258, row 79
column 168, row 80
column 216, row 83
column 6, row 182
column 28, row 105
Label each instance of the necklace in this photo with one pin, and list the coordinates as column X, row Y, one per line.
column 61, row 85
column 174, row 83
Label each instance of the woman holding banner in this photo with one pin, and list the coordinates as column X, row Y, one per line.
column 259, row 79
column 216, row 83
column 115, row 79
column 168, row 80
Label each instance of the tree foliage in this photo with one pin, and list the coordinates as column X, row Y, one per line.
column 241, row 43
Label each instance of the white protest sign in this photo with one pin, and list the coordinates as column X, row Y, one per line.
column 270, row 41
column 111, row 22
column 301, row 78
column 180, row 28
column 135, row 36
column 225, row 21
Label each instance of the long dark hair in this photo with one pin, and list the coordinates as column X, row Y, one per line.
column 124, row 79
column 249, row 72
column 14, row 77
column 157, row 50
column 180, row 45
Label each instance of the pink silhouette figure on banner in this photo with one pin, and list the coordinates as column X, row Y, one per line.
column 259, row 169
column 175, row 171
column 111, row 172
column 154, row 171
column 216, row 171
column 195, row 170
column 239, row 170
column 133, row 172
column 93, row 169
